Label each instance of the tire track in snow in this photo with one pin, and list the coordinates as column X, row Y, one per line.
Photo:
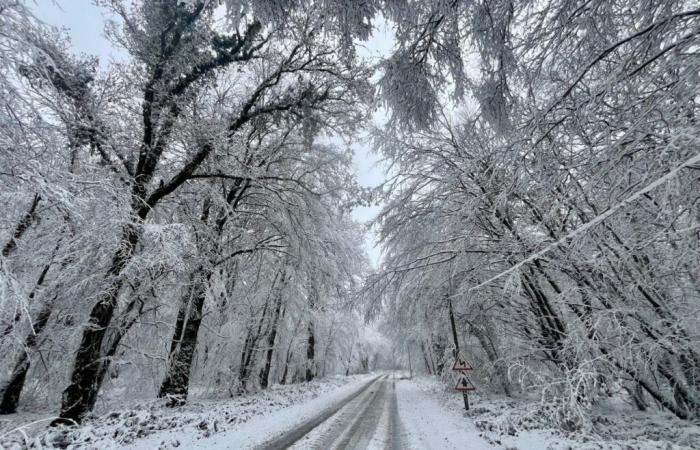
column 289, row 438
column 366, row 420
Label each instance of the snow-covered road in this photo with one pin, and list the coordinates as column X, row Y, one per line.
column 388, row 414
column 384, row 413
column 376, row 411
column 366, row 421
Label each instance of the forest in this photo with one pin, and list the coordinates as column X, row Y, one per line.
column 179, row 223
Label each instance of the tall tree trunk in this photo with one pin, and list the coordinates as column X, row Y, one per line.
column 287, row 360
column 115, row 334
column 426, row 360
column 11, row 245
column 22, row 226
column 18, row 316
column 13, row 387
column 283, row 378
column 349, row 360
column 80, row 395
column 311, row 339
column 175, row 386
column 265, row 373
column 310, row 353
column 453, row 328
column 249, row 346
column 438, row 347
column 290, row 353
column 637, row 394
column 327, row 349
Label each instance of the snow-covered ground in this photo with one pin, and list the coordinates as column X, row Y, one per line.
column 518, row 424
column 235, row 423
column 428, row 424
column 424, row 414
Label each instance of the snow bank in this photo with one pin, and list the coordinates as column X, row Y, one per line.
column 151, row 425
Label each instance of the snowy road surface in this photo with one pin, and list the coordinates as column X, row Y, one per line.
column 374, row 411
column 386, row 414
column 365, row 420
column 381, row 413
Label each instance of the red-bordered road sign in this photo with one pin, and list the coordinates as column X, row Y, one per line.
column 461, row 364
column 464, row 383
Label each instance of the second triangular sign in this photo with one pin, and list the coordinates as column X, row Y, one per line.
column 464, row 383
column 461, row 364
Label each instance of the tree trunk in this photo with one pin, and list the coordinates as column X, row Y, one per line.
column 438, row 348
column 18, row 316
column 13, row 387
column 265, row 373
column 327, row 349
column 21, row 227
column 637, row 393
column 283, row 379
column 80, row 395
column 289, row 354
column 175, row 386
column 453, row 327
column 426, row 360
column 310, row 353
column 349, row 360
column 311, row 340
column 249, row 345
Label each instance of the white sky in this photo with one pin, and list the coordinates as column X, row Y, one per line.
column 84, row 23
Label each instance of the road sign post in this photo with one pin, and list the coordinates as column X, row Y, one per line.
column 460, row 365
column 464, row 384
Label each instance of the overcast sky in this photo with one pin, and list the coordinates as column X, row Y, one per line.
column 84, row 23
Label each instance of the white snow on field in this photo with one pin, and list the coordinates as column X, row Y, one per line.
column 428, row 424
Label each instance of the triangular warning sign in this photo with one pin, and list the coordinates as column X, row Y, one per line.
column 461, row 364
column 464, row 383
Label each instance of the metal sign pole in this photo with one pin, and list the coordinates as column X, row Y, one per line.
column 457, row 355
column 461, row 366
